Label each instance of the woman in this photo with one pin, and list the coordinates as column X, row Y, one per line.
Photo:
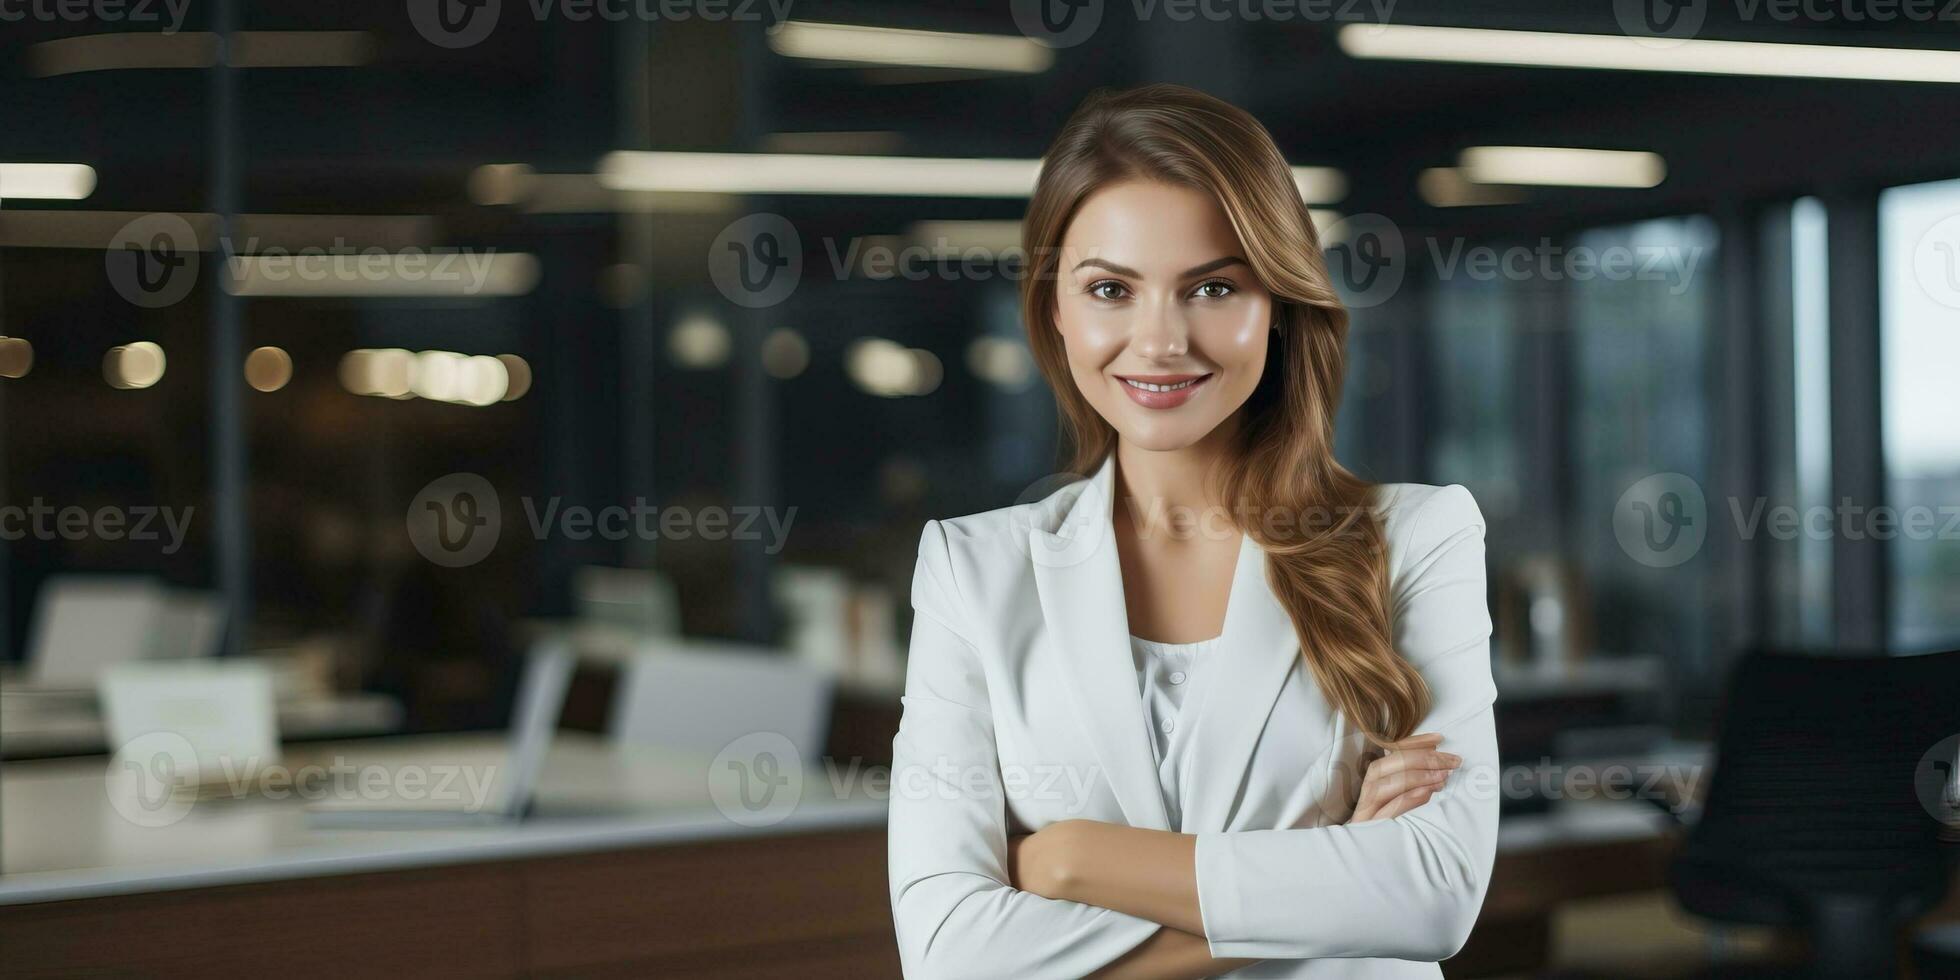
column 1174, row 671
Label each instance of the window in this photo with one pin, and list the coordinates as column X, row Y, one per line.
column 1919, row 353
column 1640, row 330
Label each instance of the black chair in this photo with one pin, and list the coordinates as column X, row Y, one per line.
column 1813, row 820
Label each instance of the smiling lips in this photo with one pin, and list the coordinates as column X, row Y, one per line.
column 1162, row 390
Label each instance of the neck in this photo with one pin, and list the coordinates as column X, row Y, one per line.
column 1154, row 482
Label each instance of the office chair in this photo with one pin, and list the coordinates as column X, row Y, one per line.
column 1812, row 821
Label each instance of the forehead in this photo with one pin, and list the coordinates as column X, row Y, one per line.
column 1153, row 227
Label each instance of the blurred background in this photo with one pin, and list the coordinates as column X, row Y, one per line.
column 371, row 375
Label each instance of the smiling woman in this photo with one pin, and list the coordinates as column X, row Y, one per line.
column 1246, row 635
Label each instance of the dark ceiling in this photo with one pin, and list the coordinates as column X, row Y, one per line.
column 402, row 134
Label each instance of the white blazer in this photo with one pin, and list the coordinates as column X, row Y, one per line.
column 1022, row 708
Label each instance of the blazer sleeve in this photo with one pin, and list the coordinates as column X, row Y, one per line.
column 955, row 912
column 1407, row 888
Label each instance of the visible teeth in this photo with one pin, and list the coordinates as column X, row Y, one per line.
column 1147, row 386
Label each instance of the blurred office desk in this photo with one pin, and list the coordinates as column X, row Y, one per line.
column 628, row 868
column 36, row 725
column 1573, row 850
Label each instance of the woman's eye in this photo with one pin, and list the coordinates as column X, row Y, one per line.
column 1215, row 289
column 1107, row 290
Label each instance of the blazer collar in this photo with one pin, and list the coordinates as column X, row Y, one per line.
column 1080, row 581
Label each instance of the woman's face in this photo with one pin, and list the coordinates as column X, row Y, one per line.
column 1165, row 325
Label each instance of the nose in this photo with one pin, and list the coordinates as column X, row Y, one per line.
column 1160, row 333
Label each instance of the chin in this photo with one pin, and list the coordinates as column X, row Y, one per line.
column 1164, row 435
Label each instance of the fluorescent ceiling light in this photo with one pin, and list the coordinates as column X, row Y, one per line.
column 1320, row 185
column 872, row 176
column 794, row 173
column 854, row 44
column 47, row 181
column 414, row 275
column 1561, row 166
column 952, row 238
column 196, row 49
column 249, row 232
column 1407, row 42
column 865, row 141
column 1447, row 187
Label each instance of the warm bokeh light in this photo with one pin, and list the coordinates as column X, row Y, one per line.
column 699, row 342
column 1000, row 361
column 268, row 369
column 518, row 370
column 891, row 370
column 436, row 375
column 46, row 181
column 785, row 354
column 133, row 366
column 16, row 357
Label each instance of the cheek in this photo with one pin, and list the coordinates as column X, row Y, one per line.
column 1092, row 340
column 1090, row 329
column 1235, row 338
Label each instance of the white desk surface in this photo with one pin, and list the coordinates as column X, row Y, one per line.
column 60, row 838
column 44, row 725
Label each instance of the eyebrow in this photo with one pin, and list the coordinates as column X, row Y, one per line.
column 1196, row 270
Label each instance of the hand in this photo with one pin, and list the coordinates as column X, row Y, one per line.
column 1404, row 778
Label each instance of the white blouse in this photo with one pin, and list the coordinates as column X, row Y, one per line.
column 1166, row 674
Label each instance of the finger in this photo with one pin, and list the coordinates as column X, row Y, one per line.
column 1414, row 759
column 1390, row 787
column 1404, row 803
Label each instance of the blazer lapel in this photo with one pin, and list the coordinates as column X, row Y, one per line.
column 1080, row 580
column 1254, row 656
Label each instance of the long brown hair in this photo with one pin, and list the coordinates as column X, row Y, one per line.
column 1328, row 564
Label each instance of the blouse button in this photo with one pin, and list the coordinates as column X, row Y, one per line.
column 1177, row 677
column 1167, row 725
